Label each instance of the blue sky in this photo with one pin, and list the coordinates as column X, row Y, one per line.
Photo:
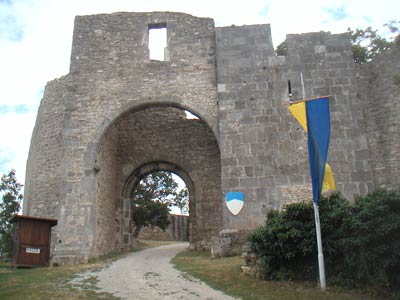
column 36, row 37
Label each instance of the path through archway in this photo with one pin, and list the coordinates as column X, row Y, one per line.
column 149, row 139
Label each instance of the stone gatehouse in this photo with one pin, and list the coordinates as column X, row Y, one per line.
column 118, row 115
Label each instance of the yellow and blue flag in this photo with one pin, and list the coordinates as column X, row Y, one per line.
column 319, row 129
column 315, row 113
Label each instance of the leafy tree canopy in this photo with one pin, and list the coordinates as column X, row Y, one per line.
column 9, row 206
column 152, row 199
column 182, row 201
column 367, row 43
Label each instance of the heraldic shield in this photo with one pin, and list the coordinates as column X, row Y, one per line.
column 234, row 202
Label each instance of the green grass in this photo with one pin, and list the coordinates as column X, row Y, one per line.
column 46, row 283
column 54, row 282
column 225, row 274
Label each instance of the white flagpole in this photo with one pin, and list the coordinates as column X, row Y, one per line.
column 321, row 264
column 303, row 92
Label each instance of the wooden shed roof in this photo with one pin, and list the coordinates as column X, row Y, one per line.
column 53, row 222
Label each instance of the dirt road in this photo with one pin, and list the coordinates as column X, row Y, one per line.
column 149, row 275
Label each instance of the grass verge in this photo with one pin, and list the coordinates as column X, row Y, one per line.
column 225, row 274
column 46, row 283
column 55, row 282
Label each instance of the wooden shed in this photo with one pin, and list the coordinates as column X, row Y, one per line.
column 31, row 245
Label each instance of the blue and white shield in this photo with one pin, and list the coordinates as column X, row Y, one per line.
column 234, row 202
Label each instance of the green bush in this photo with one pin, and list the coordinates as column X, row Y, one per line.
column 361, row 241
column 371, row 247
column 285, row 245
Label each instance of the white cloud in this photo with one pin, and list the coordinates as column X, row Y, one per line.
column 36, row 37
column 288, row 17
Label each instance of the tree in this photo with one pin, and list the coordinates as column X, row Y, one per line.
column 182, row 201
column 281, row 49
column 152, row 198
column 9, row 206
column 149, row 213
column 367, row 43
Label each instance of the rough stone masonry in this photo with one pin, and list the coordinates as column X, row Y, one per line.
column 118, row 115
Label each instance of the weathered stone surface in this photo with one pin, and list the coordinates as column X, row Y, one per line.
column 379, row 93
column 177, row 230
column 258, row 133
column 229, row 242
column 118, row 115
column 250, row 264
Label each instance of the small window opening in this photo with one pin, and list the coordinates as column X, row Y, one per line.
column 158, row 42
column 190, row 116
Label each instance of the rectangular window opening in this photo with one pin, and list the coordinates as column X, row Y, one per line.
column 158, row 42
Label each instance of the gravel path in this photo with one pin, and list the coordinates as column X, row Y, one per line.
column 149, row 275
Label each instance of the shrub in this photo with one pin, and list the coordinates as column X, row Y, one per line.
column 284, row 244
column 361, row 242
column 371, row 246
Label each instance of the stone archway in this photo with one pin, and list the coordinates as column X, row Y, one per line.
column 115, row 111
column 188, row 179
column 152, row 138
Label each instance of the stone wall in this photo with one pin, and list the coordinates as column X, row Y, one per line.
column 44, row 165
column 108, row 234
column 263, row 149
column 229, row 242
column 118, row 116
column 379, row 92
column 76, row 171
column 165, row 134
column 177, row 230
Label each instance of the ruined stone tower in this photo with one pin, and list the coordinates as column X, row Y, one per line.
column 118, row 115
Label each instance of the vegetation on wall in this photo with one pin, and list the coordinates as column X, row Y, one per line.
column 281, row 49
column 361, row 241
column 9, row 206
